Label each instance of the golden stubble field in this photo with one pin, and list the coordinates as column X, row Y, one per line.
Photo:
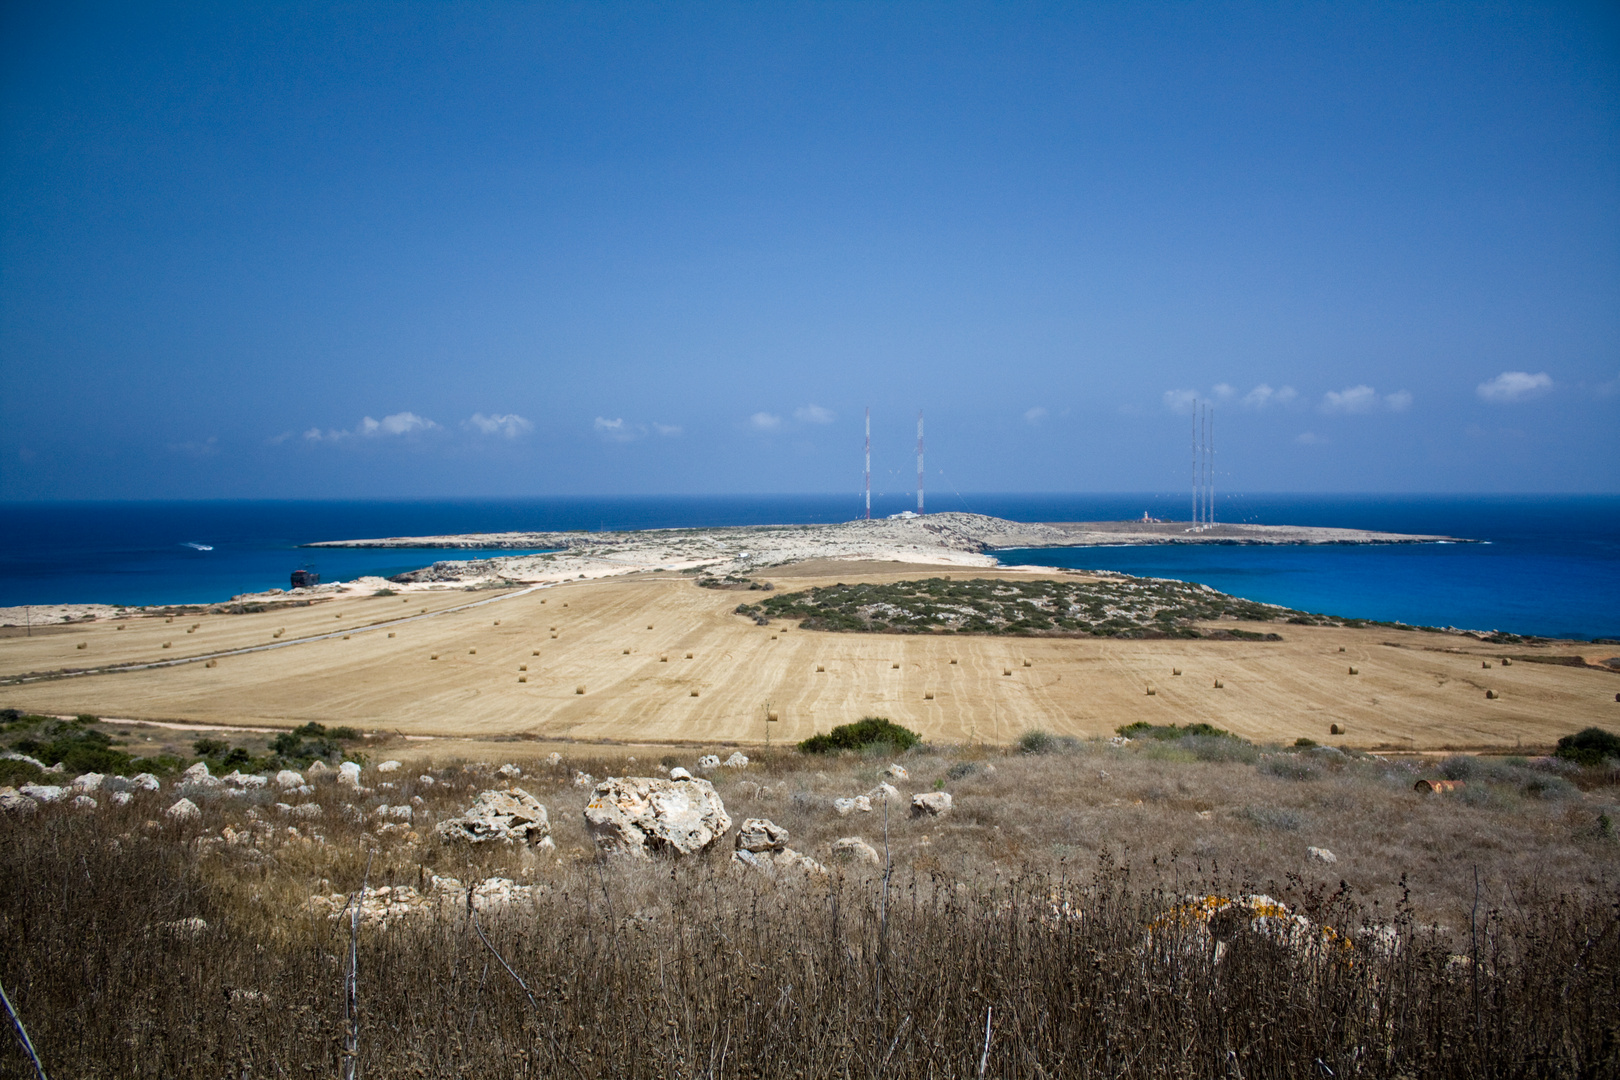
column 664, row 661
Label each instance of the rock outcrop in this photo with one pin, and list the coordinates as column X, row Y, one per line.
column 641, row 815
column 931, row 804
column 762, row 845
column 856, row 850
column 512, row 816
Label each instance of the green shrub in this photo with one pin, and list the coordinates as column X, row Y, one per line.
column 1144, row 730
column 15, row 772
column 78, row 749
column 1289, row 767
column 869, row 731
column 1036, row 741
column 208, row 747
column 1589, row 747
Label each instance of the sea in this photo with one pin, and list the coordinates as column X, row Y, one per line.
column 1543, row 565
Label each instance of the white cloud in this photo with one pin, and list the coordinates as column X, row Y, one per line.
column 1309, row 438
column 400, row 423
column 1180, row 401
column 1035, row 415
column 1263, row 395
column 813, row 414
column 667, row 430
column 314, row 435
column 1222, row 392
column 1399, row 401
column 764, row 421
column 509, row 424
column 1610, row 388
column 196, row 447
column 1511, row 386
column 1354, row 399
column 616, row 429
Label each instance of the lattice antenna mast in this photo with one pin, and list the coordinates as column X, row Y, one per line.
column 1195, row 463
column 869, row 463
column 919, row 462
column 1210, row 465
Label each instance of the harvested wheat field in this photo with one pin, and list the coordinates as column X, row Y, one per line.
column 656, row 658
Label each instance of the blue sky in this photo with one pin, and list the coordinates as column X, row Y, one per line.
column 437, row 249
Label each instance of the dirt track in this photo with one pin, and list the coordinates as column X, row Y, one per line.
column 1407, row 693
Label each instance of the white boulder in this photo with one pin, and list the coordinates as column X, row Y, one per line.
column 425, row 780
column 43, row 792
column 83, row 802
column 196, row 772
column 584, row 779
column 761, row 834
column 640, row 815
column 388, row 766
column 1321, row 855
column 145, row 782
column 737, row 760
column 510, row 771
column 708, row 761
column 349, row 773
column 14, row 800
column 860, row 804
column 854, row 849
column 90, row 781
column 122, row 798
column 287, row 779
column 184, row 810
column 678, row 773
column 317, row 767
column 508, row 816
column 931, row 804
column 897, row 772
column 554, row 758
column 883, row 793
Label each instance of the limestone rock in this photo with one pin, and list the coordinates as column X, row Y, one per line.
column 90, row 781
column 773, row 863
column 737, row 760
column 860, row 804
column 883, row 793
column 402, row 812
column 14, row 800
column 761, row 834
column 145, row 782
column 122, row 798
column 897, row 772
column 237, row 779
column 554, row 758
column 184, row 810
column 708, row 761
column 1321, row 855
column 84, row 802
column 584, row 779
column 854, row 849
column 931, row 804
column 510, row 771
column 196, row 771
column 349, row 773
column 43, row 792
column 388, row 766
column 507, row 816
column 286, row 778
column 678, row 773
column 317, row 767
column 302, row 810
column 640, row 815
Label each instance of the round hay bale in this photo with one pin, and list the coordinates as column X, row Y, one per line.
column 627, row 652
column 892, row 667
column 212, row 663
column 663, row 658
column 1029, row 663
column 523, row 678
column 1006, row 671
column 1507, row 661
column 390, row 633
column 694, row 693
column 166, row 644
column 536, row 652
column 580, row 689
column 953, row 660
column 523, row 667
column 435, row 656
column 1333, row 729
column 771, row 715
column 1490, row 695
column 928, row 695
column 820, row 668
column 1152, row 691
column 1353, row 671
column 82, row 645
column 1175, row 671
column 689, row 656
column 1484, row 663
column 472, row 652
column 1219, row 685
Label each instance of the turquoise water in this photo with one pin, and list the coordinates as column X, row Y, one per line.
column 1550, row 565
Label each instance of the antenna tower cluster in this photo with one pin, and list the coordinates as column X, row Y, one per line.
column 869, row 462
column 919, row 462
column 1203, row 466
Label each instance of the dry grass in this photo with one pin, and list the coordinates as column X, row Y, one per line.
column 700, row 969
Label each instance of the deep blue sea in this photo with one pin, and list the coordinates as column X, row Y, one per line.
column 1551, row 565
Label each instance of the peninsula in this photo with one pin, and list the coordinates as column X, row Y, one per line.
column 949, row 539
